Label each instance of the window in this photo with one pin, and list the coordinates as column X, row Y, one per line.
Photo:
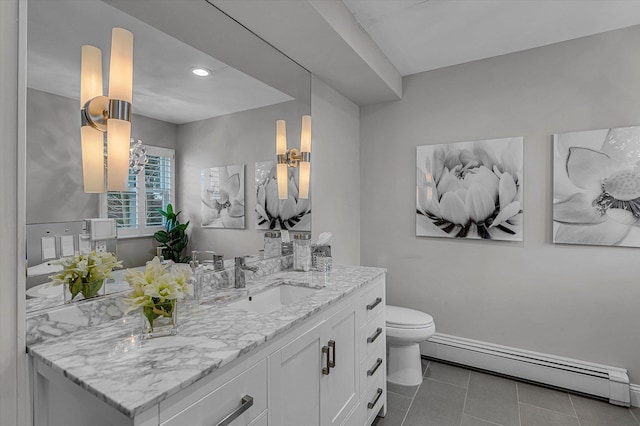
column 136, row 210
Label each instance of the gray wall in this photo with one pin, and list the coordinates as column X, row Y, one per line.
column 54, row 166
column 335, row 171
column 249, row 136
column 240, row 138
column 576, row 301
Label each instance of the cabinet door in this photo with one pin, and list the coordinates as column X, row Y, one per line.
column 294, row 381
column 339, row 389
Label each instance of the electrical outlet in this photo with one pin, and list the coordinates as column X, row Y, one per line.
column 101, row 246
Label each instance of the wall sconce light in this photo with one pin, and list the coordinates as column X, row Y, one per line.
column 293, row 158
column 112, row 114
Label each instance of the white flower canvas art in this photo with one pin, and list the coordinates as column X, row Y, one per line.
column 294, row 213
column 470, row 190
column 596, row 187
column 222, row 197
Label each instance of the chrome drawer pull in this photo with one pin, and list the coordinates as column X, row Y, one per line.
column 374, row 336
column 375, row 367
column 245, row 404
column 374, row 304
column 332, row 346
column 375, row 400
column 326, row 370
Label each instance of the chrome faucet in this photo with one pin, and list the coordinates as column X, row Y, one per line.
column 241, row 266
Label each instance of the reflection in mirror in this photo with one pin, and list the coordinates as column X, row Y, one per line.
column 225, row 118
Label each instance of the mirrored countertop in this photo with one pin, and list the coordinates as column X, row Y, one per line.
column 110, row 361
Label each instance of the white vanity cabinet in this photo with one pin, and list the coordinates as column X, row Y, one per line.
column 328, row 369
column 314, row 379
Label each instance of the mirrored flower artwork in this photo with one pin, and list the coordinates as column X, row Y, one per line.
column 596, row 187
column 470, row 190
column 294, row 213
column 222, row 197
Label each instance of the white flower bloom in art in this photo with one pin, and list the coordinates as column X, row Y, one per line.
column 598, row 189
column 467, row 191
column 274, row 213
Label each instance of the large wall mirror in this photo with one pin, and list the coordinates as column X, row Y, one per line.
column 227, row 118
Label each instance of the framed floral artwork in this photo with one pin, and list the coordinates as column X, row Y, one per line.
column 596, row 187
column 470, row 190
column 294, row 213
column 222, row 197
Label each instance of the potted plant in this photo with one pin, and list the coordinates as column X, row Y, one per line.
column 173, row 239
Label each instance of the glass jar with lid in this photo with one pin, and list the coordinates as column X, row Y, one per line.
column 272, row 244
column 302, row 252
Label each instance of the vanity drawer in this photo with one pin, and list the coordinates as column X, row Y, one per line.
column 373, row 399
column 372, row 368
column 373, row 337
column 371, row 302
column 246, row 393
column 364, row 413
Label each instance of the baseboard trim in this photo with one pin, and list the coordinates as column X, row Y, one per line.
column 611, row 383
column 635, row 394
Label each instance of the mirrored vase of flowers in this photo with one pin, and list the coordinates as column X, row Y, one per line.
column 83, row 276
column 155, row 293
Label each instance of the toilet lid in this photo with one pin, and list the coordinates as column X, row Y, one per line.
column 398, row 317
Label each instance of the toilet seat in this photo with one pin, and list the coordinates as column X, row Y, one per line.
column 405, row 318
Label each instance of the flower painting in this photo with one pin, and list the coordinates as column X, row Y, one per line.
column 596, row 187
column 222, row 197
column 272, row 213
column 470, row 190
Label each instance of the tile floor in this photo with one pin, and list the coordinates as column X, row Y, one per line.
column 455, row 396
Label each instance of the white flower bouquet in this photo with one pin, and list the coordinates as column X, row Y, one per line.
column 84, row 274
column 156, row 290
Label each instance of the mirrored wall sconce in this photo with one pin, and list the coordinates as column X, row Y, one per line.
column 293, row 158
column 111, row 115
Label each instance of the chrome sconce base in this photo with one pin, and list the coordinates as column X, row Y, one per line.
column 293, row 157
column 98, row 110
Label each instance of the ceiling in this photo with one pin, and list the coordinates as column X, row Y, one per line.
column 164, row 87
column 422, row 35
column 362, row 48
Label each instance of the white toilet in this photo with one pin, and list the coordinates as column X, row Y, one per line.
column 406, row 328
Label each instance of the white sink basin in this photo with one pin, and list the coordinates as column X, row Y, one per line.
column 272, row 299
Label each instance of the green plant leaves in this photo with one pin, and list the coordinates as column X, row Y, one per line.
column 174, row 239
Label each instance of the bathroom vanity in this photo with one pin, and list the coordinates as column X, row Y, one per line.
column 317, row 359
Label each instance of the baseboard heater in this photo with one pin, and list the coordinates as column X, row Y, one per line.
column 611, row 383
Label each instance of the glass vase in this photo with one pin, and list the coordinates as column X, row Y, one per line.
column 160, row 319
column 84, row 290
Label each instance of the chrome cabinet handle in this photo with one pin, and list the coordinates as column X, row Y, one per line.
column 245, row 404
column 326, row 370
column 375, row 367
column 374, row 336
column 332, row 346
column 375, row 400
column 374, row 304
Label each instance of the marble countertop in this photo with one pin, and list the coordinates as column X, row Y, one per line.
column 132, row 375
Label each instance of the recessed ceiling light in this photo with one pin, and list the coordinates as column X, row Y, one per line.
column 201, row 72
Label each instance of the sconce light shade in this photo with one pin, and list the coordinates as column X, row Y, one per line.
column 119, row 121
column 121, row 65
column 118, row 143
column 281, row 150
column 92, row 159
column 92, row 140
column 305, row 134
column 281, row 137
column 305, row 151
column 90, row 74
